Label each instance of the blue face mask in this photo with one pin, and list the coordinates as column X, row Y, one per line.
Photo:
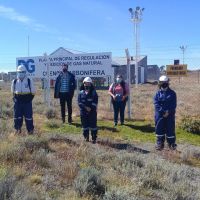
column 21, row 75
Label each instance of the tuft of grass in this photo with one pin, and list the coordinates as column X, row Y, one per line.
column 52, row 124
column 50, row 113
column 33, row 143
column 191, row 125
column 3, row 172
column 35, row 179
column 13, row 152
column 41, row 159
column 88, row 183
column 6, row 111
column 19, row 172
column 24, row 191
column 68, row 171
column 7, row 185
column 119, row 194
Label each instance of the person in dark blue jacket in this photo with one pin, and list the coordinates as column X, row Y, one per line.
column 64, row 89
column 87, row 101
column 165, row 108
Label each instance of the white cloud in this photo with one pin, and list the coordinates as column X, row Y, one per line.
column 11, row 14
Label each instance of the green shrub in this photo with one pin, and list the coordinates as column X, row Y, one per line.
column 89, row 183
column 191, row 125
column 52, row 124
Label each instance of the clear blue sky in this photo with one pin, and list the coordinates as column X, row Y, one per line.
column 99, row 25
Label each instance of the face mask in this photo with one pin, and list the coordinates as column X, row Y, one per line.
column 118, row 80
column 87, row 88
column 65, row 70
column 164, row 85
column 21, row 75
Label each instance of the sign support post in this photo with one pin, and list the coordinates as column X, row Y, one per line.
column 129, row 82
column 48, row 81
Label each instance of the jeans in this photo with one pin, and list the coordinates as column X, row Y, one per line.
column 119, row 107
column 66, row 97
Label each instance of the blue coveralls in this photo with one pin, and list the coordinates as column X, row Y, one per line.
column 165, row 127
column 88, row 119
column 23, row 91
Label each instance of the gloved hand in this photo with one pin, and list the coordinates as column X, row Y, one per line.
column 166, row 114
column 88, row 108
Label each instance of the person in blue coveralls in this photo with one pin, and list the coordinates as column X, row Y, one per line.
column 165, row 108
column 87, row 101
column 64, row 90
column 23, row 93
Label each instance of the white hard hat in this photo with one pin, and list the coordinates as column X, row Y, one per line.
column 21, row 68
column 163, row 78
column 87, row 79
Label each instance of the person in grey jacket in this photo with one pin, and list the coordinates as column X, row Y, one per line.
column 64, row 90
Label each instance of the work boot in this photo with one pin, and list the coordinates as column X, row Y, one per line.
column 172, row 146
column 30, row 132
column 86, row 139
column 159, row 147
column 70, row 120
column 18, row 131
column 93, row 141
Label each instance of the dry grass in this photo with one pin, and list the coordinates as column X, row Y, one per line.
column 50, row 166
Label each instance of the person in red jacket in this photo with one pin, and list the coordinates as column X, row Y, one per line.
column 119, row 92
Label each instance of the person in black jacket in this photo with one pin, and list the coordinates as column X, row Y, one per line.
column 64, row 89
column 87, row 101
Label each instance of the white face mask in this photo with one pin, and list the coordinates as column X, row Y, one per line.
column 21, row 75
column 118, row 80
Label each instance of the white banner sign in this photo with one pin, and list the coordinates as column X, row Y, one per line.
column 81, row 65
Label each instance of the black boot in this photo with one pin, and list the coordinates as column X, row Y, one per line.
column 159, row 146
